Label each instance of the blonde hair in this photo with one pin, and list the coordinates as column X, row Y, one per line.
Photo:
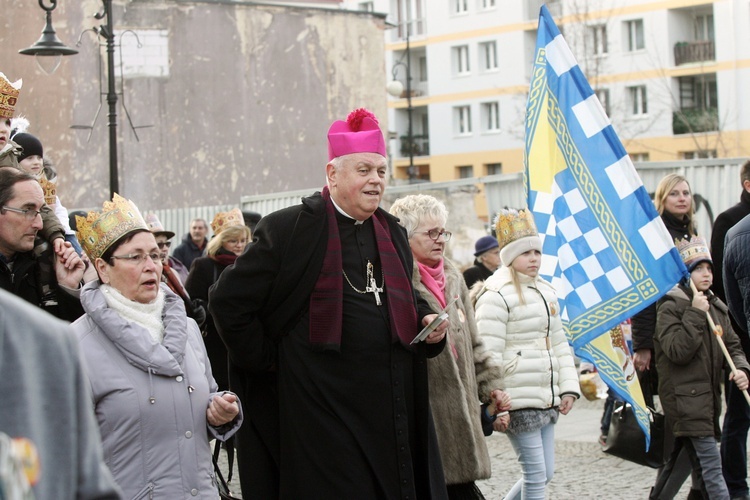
column 666, row 185
column 517, row 284
column 226, row 234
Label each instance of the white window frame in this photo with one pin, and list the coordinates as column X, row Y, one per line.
column 488, row 55
column 639, row 157
column 491, row 117
column 461, row 60
column 462, row 117
column 487, row 4
column 635, row 35
column 599, row 39
column 638, row 97
column 603, row 96
column 465, row 171
column 460, row 6
column 493, row 166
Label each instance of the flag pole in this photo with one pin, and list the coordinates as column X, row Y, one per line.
column 718, row 332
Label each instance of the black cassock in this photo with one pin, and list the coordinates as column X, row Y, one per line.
column 348, row 416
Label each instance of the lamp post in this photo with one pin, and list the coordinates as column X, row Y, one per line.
column 50, row 45
column 48, row 50
column 396, row 88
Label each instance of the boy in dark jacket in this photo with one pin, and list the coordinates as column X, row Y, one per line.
column 690, row 362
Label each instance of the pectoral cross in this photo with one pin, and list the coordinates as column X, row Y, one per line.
column 372, row 286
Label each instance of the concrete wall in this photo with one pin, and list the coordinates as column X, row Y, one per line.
column 246, row 95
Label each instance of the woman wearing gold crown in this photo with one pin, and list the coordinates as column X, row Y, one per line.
column 231, row 235
column 465, row 372
column 690, row 363
column 155, row 398
column 518, row 316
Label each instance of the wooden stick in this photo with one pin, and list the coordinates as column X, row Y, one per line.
column 717, row 333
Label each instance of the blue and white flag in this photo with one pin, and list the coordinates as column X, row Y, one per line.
column 605, row 248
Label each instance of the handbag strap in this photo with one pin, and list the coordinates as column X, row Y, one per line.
column 223, row 486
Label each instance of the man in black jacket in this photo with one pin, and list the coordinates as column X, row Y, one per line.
column 734, row 267
column 318, row 316
column 34, row 273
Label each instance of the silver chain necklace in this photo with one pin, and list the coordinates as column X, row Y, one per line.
column 371, row 287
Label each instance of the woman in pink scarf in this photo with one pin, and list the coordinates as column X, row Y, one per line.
column 464, row 381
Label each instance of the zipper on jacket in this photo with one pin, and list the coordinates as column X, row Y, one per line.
column 549, row 347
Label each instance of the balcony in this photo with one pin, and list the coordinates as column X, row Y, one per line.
column 694, row 120
column 693, row 52
column 419, row 145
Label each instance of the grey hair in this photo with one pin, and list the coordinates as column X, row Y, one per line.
column 414, row 208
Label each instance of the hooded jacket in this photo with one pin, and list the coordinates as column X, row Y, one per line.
column 527, row 340
column 151, row 399
column 689, row 361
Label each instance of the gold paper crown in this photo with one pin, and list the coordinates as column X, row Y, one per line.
column 50, row 190
column 97, row 231
column 511, row 225
column 8, row 96
column 693, row 251
column 223, row 220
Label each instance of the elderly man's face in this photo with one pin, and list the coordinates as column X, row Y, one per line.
column 198, row 231
column 17, row 232
column 357, row 185
column 163, row 243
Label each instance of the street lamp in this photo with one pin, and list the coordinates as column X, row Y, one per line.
column 48, row 50
column 50, row 45
column 396, row 89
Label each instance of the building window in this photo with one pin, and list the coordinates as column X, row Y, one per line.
column 423, row 68
column 603, row 96
column 462, row 120
column 634, row 35
column 490, row 117
column 488, row 55
column 493, row 168
column 599, row 39
column 465, row 172
column 638, row 100
column 639, row 157
column 460, row 6
column 698, row 92
column 487, row 4
column 367, row 6
column 461, row 60
column 699, row 155
column 704, row 27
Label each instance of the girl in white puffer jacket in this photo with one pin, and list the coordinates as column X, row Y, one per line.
column 518, row 316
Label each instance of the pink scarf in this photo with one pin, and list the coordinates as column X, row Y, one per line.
column 433, row 278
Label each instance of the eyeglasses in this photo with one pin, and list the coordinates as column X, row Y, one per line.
column 434, row 234
column 139, row 258
column 164, row 244
column 28, row 213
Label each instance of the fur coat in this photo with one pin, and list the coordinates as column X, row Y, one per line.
column 459, row 383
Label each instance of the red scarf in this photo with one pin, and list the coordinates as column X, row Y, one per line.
column 327, row 298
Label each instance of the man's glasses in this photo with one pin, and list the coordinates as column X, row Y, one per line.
column 434, row 234
column 139, row 258
column 164, row 244
column 28, row 213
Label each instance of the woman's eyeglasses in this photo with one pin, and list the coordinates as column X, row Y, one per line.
column 139, row 258
column 434, row 234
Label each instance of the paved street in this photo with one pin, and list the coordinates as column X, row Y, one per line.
column 582, row 470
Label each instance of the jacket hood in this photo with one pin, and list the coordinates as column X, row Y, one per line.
column 133, row 341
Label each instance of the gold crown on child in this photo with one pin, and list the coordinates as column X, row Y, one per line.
column 223, row 220
column 8, row 96
column 98, row 230
column 693, row 250
column 49, row 188
column 511, row 225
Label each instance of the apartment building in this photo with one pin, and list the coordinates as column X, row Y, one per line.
column 670, row 74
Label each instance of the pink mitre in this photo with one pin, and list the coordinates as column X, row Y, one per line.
column 360, row 133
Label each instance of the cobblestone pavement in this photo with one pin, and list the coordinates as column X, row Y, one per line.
column 582, row 470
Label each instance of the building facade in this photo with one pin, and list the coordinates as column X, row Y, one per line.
column 670, row 74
